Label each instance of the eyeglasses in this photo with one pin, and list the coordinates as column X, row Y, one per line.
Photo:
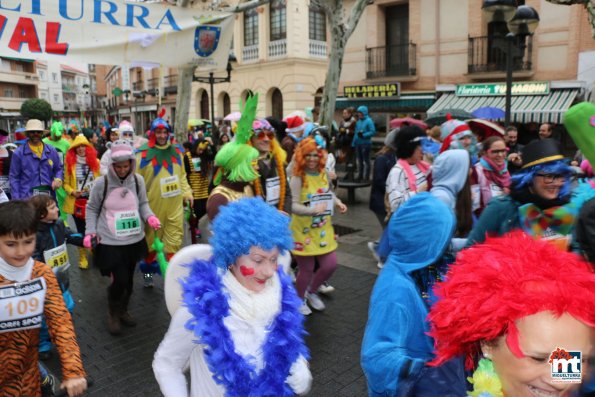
column 550, row 178
column 497, row 151
column 261, row 134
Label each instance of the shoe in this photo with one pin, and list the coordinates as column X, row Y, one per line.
column 326, row 289
column 47, row 386
column 83, row 263
column 45, row 355
column 127, row 319
column 373, row 246
column 380, row 265
column 305, row 309
column 314, row 301
column 148, row 280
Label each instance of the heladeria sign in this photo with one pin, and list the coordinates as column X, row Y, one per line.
column 373, row 90
column 113, row 32
column 493, row 89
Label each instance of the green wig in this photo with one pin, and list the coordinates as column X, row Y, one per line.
column 235, row 158
column 57, row 129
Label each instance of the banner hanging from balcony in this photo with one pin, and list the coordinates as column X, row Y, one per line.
column 113, row 32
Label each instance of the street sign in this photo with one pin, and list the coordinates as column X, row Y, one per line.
column 494, row 89
column 392, row 90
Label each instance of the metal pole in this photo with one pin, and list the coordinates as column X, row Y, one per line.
column 509, row 39
column 212, row 83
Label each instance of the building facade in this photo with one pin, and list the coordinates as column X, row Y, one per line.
column 18, row 82
column 431, row 47
column 280, row 52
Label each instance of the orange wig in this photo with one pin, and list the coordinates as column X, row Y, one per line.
column 305, row 147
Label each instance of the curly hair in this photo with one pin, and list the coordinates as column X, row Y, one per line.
column 306, row 146
column 249, row 222
column 90, row 156
column 492, row 285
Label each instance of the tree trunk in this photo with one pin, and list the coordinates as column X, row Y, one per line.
column 333, row 75
column 183, row 102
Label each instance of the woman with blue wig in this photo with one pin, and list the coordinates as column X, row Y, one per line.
column 539, row 202
column 239, row 325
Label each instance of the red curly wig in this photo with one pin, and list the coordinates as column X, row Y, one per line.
column 306, row 146
column 492, row 285
column 90, row 156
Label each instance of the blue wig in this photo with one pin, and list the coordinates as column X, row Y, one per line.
column 246, row 223
column 524, row 178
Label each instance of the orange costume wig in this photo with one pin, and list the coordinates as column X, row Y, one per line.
column 491, row 285
column 305, row 147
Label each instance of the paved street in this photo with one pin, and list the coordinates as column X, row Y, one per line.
column 121, row 366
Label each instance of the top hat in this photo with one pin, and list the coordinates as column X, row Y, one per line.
column 540, row 152
column 34, row 125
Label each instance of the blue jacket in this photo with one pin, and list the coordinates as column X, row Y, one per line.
column 28, row 171
column 382, row 167
column 366, row 127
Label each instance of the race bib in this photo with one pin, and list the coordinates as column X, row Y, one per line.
column 38, row 190
column 324, row 198
column 127, row 223
column 475, row 197
column 170, row 186
column 273, row 190
column 5, row 183
column 196, row 164
column 57, row 258
column 496, row 190
column 21, row 305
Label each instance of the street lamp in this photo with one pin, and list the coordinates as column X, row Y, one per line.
column 212, row 80
column 521, row 21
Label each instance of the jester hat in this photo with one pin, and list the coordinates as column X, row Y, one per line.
column 235, row 158
column 579, row 120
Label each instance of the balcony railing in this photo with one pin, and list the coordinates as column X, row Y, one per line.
column 138, row 86
column 318, row 48
column 170, row 84
column 153, row 83
column 278, row 48
column 250, row 53
column 393, row 60
column 488, row 54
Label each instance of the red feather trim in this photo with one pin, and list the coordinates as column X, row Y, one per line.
column 161, row 113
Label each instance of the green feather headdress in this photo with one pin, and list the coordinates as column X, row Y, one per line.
column 235, row 158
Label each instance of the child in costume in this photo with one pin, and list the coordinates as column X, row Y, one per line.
column 510, row 305
column 239, row 325
column 81, row 168
column 160, row 163
column 31, row 287
column 312, row 206
column 116, row 212
column 50, row 248
column 235, row 161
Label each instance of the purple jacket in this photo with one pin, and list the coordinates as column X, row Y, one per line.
column 28, row 171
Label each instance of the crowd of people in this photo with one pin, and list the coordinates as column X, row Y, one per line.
column 484, row 252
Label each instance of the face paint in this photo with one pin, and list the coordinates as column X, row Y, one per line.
column 246, row 271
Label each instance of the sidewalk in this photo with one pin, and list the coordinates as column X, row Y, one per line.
column 121, row 366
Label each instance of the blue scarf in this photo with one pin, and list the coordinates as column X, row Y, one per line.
column 207, row 302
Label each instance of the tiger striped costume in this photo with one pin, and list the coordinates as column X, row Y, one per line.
column 19, row 371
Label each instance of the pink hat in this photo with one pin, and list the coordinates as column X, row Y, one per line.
column 295, row 124
column 121, row 150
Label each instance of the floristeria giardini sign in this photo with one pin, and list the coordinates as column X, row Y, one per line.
column 520, row 88
column 373, row 90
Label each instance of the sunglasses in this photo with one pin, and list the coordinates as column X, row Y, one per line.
column 35, row 132
column 498, row 151
column 261, row 134
column 550, row 178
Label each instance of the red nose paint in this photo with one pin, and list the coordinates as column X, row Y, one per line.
column 246, row 271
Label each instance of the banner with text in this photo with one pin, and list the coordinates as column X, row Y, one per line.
column 114, row 32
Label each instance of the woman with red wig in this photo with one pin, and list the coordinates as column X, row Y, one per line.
column 515, row 307
column 81, row 168
column 313, row 234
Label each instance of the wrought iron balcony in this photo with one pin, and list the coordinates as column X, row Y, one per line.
column 153, row 83
column 170, row 84
column 393, row 60
column 137, row 86
column 488, row 54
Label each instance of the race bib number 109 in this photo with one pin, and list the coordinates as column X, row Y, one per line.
column 21, row 305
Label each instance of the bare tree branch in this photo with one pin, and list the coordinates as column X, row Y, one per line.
column 245, row 6
column 356, row 12
column 589, row 6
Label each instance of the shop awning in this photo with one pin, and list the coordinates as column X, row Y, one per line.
column 405, row 103
column 524, row 108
